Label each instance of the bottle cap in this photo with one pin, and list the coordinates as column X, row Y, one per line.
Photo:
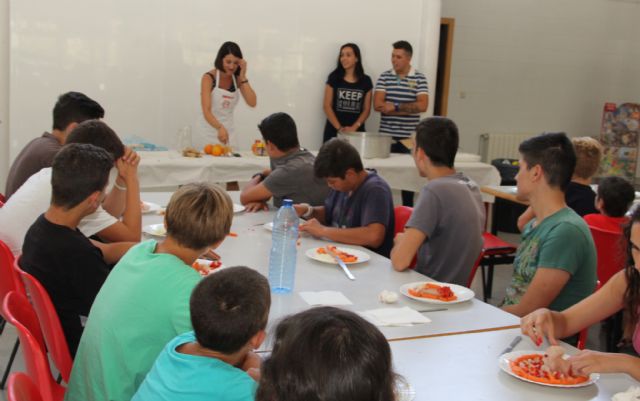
column 287, row 202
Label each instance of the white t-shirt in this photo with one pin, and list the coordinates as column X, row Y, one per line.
column 33, row 199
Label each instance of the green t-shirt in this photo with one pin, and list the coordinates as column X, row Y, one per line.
column 143, row 305
column 561, row 241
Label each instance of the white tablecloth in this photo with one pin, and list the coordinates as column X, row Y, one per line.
column 170, row 169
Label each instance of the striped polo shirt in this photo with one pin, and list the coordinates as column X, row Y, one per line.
column 401, row 90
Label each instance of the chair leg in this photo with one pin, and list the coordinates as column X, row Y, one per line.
column 9, row 364
column 490, row 280
column 2, row 324
column 614, row 332
column 484, row 285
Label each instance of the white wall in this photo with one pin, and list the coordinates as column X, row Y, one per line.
column 536, row 65
column 4, row 92
column 143, row 59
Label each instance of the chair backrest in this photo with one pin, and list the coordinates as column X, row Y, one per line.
column 612, row 252
column 9, row 279
column 401, row 214
column 17, row 310
column 474, row 269
column 20, row 387
column 50, row 323
column 3, row 200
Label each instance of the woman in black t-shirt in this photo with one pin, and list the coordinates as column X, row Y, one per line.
column 347, row 94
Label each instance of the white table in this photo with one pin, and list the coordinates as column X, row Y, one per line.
column 170, row 169
column 465, row 367
column 251, row 248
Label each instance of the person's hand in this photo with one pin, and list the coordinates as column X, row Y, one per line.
column 313, row 227
column 131, row 156
column 223, row 135
column 210, row 254
column 351, row 128
column 266, row 172
column 253, row 207
column 587, row 362
column 242, row 64
column 537, row 325
column 251, row 365
column 388, row 107
column 126, row 170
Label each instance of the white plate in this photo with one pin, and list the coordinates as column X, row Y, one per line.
column 238, row 208
column 150, row 207
column 463, row 293
column 361, row 255
column 157, row 230
column 504, row 359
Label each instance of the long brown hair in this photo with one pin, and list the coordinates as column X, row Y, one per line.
column 632, row 293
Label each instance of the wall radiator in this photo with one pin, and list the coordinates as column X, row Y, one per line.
column 496, row 146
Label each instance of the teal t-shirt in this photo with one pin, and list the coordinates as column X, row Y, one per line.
column 143, row 304
column 177, row 376
column 561, row 241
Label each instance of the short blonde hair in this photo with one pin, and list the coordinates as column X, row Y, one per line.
column 588, row 156
column 199, row 215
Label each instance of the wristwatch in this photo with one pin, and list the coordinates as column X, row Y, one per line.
column 396, row 106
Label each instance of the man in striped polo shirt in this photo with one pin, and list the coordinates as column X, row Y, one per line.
column 401, row 95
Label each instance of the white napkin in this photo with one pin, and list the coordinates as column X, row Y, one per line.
column 325, row 298
column 404, row 316
column 632, row 394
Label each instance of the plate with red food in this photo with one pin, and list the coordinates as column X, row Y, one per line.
column 348, row 255
column 544, row 368
column 436, row 293
column 206, row 266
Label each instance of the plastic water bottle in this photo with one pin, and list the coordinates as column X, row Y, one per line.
column 282, row 261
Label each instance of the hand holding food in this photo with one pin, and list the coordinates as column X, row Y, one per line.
column 540, row 368
column 538, row 324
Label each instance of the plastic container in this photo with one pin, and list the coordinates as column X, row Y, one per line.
column 282, row 261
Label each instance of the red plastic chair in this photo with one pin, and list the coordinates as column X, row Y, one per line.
column 3, row 200
column 475, row 269
column 9, row 281
column 611, row 250
column 402, row 215
column 495, row 252
column 50, row 323
column 17, row 310
column 21, row 388
column 582, row 336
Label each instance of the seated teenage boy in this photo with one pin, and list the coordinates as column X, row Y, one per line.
column 68, row 265
column 555, row 265
column 123, row 199
column 71, row 109
column 145, row 301
column 215, row 361
column 359, row 208
column 615, row 196
column 445, row 228
column 291, row 174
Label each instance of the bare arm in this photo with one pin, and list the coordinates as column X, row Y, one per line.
column 255, row 191
column 366, row 110
column 246, row 90
column 318, row 212
column 405, row 109
column 405, row 247
column 371, row 235
column 378, row 100
column 205, row 101
column 328, row 110
column 113, row 252
column 525, row 217
column 544, row 288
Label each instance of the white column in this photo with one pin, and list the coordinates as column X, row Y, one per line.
column 430, row 39
column 4, row 92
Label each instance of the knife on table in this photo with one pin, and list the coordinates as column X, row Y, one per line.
column 344, row 267
column 511, row 346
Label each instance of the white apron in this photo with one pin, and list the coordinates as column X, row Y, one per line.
column 223, row 103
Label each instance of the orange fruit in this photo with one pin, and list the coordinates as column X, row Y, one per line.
column 217, row 150
column 208, row 149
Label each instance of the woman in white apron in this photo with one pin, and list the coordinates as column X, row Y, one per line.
column 219, row 95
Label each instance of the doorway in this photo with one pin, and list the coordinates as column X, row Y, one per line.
column 445, row 49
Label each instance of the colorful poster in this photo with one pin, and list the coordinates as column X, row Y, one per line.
column 619, row 136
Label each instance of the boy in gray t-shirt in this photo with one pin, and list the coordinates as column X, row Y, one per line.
column 445, row 228
column 450, row 213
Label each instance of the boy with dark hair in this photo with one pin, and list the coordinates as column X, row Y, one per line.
column 359, row 208
column 71, row 109
column 68, row 265
column 229, row 313
column 145, row 301
column 555, row 265
column 291, row 173
column 445, row 228
column 122, row 200
column 615, row 196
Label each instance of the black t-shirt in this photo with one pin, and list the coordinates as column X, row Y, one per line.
column 70, row 268
column 581, row 198
column 348, row 101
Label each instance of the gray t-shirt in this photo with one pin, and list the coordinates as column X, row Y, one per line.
column 292, row 178
column 450, row 212
column 37, row 155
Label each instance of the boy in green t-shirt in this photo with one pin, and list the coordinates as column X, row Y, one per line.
column 555, row 265
column 144, row 302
